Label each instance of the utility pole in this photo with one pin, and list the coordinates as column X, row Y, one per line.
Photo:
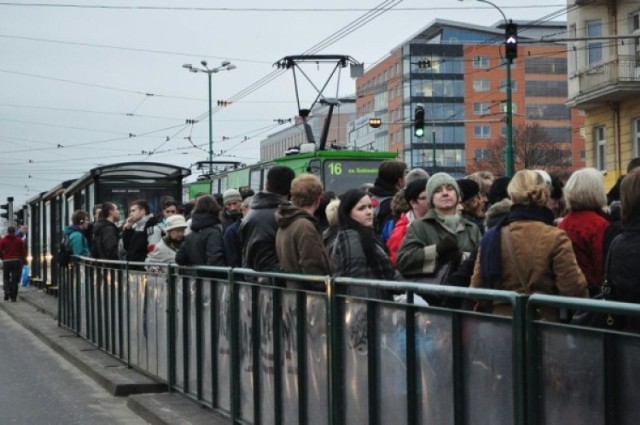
column 224, row 66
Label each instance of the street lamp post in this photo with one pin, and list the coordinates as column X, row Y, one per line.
column 508, row 150
column 224, row 66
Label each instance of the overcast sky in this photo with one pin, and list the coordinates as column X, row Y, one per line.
column 88, row 83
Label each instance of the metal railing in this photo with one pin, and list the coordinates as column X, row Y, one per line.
column 263, row 350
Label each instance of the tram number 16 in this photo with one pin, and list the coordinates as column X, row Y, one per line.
column 335, row 169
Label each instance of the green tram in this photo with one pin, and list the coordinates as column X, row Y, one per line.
column 339, row 170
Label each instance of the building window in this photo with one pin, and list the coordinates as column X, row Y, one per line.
column 481, row 62
column 481, row 154
column 503, row 107
column 503, row 85
column 481, row 108
column 600, row 143
column 635, row 130
column 594, row 48
column 481, row 85
column 482, row 131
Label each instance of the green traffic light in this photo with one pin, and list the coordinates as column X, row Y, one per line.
column 419, row 132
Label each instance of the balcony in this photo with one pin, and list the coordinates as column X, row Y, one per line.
column 608, row 82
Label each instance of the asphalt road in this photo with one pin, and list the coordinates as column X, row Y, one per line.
column 38, row 386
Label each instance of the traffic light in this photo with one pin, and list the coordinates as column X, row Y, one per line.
column 511, row 40
column 9, row 208
column 418, row 121
column 20, row 216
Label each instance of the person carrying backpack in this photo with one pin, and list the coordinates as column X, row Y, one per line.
column 390, row 179
column 77, row 243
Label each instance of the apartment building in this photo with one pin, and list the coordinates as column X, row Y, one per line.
column 604, row 80
column 457, row 72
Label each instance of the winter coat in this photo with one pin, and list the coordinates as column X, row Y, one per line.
column 397, row 236
column 227, row 219
column 586, row 231
column 164, row 251
column 105, row 240
column 299, row 243
column 624, row 270
column 258, row 233
column 382, row 194
column 13, row 248
column 137, row 239
column 77, row 241
column 329, row 238
column 417, row 254
column 232, row 245
column 349, row 261
column 204, row 245
column 544, row 256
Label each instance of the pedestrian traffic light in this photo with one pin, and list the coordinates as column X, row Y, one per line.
column 511, row 40
column 418, row 121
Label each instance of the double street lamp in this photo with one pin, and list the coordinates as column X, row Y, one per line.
column 224, row 66
column 510, row 53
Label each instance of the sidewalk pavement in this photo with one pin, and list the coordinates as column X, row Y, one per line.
column 37, row 312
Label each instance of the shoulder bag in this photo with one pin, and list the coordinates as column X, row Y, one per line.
column 596, row 319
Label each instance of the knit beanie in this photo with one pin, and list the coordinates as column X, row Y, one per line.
column 468, row 189
column 438, row 180
column 414, row 189
column 231, row 195
column 415, row 174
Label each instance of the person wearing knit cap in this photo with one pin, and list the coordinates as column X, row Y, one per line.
column 232, row 208
column 473, row 202
column 415, row 174
column 442, row 236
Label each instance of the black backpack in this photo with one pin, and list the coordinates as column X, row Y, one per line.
column 64, row 252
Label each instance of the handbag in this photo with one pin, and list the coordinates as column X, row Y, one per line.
column 597, row 319
column 438, row 278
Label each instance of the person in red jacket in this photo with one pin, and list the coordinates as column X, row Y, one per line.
column 416, row 195
column 13, row 253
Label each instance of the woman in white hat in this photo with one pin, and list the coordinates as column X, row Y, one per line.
column 165, row 250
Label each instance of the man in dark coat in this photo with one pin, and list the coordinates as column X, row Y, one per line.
column 259, row 227
column 141, row 231
column 106, row 233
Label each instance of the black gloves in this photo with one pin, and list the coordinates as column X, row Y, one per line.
column 447, row 250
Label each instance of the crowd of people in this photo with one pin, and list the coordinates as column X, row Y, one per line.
column 528, row 234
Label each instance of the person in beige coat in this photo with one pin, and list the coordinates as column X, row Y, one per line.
column 524, row 252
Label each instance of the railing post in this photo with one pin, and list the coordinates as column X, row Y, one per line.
column 278, row 370
column 336, row 396
column 233, row 326
column 197, row 303
column 520, row 366
column 172, row 272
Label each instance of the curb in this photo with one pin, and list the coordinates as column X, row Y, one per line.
column 173, row 409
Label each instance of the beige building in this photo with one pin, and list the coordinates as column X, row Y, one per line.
column 276, row 144
column 604, row 80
